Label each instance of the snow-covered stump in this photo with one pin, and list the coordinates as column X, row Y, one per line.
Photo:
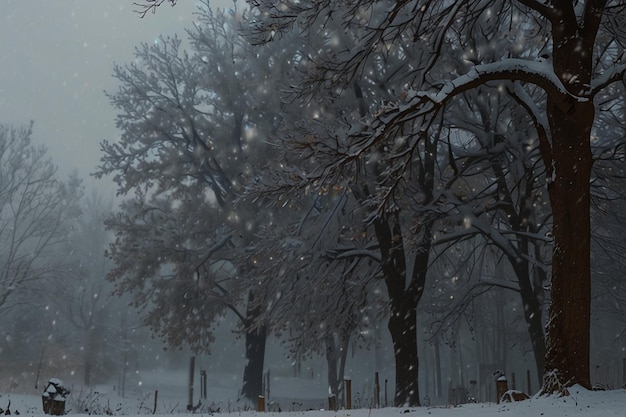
column 54, row 396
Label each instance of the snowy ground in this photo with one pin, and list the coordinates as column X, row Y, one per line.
column 173, row 402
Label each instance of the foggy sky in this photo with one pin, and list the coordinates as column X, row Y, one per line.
column 56, row 62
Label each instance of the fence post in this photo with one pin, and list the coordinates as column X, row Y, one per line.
column 332, row 402
column 376, row 391
column 192, row 367
column 261, row 404
column 348, row 391
column 530, row 390
column 203, row 389
column 501, row 388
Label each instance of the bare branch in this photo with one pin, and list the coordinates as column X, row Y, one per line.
column 150, row 6
column 542, row 8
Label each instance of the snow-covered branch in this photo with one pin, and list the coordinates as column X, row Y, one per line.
column 422, row 105
column 539, row 73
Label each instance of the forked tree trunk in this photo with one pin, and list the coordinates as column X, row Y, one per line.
column 404, row 298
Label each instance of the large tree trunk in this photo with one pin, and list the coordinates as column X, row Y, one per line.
column 567, row 357
column 256, row 336
column 255, row 358
column 404, row 299
column 402, row 326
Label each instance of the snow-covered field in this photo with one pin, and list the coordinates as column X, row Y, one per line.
column 579, row 403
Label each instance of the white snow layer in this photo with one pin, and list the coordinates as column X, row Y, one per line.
column 580, row 403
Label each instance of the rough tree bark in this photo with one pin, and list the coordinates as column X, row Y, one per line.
column 256, row 336
column 568, row 333
column 404, row 300
column 567, row 356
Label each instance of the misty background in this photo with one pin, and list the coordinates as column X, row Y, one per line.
column 58, row 60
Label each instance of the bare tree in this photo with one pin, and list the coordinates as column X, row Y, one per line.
column 36, row 214
column 83, row 296
column 150, row 6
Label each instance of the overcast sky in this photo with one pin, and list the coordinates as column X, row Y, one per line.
column 56, row 62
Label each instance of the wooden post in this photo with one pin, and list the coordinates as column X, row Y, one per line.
column 332, row 402
column 261, row 404
column 501, row 387
column 203, row 389
column 530, row 390
column 348, row 391
column 156, row 395
column 376, row 391
column 192, row 367
column 386, row 393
